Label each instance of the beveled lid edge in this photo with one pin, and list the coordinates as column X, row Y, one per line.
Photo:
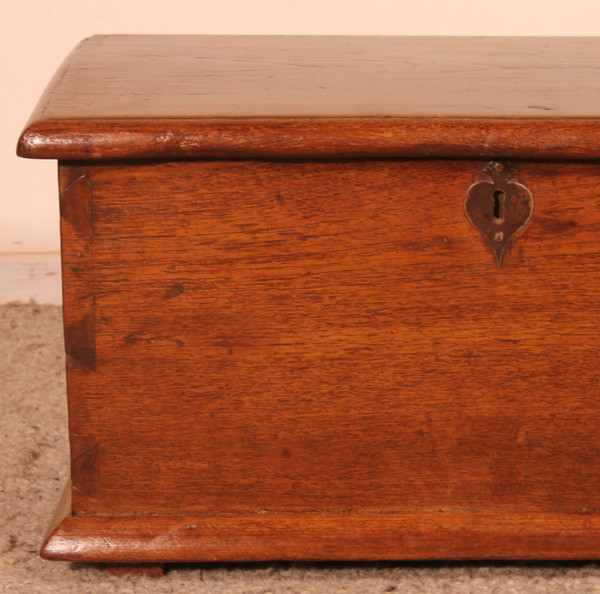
column 310, row 137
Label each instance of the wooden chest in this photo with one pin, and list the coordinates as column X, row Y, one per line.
column 328, row 298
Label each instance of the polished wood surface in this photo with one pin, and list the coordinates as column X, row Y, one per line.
column 217, row 96
column 324, row 536
column 281, row 345
column 317, row 348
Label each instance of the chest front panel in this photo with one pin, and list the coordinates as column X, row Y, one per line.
column 264, row 337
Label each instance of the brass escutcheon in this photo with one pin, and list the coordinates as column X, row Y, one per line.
column 499, row 208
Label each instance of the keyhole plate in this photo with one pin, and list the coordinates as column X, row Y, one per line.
column 498, row 208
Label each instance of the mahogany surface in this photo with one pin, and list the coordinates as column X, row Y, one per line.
column 328, row 338
column 148, row 96
column 318, row 357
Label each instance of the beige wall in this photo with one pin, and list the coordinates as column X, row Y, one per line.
column 37, row 34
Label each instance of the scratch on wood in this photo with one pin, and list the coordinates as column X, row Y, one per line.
column 75, row 204
column 85, row 465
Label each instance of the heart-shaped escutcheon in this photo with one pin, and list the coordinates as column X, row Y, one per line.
column 499, row 208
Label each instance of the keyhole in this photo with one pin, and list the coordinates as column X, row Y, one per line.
column 499, row 196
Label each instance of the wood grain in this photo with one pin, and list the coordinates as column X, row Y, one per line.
column 314, row 537
column 314, row 138
column 285, row 339
column 75, row 197
column 333, row 340
column 254, row 97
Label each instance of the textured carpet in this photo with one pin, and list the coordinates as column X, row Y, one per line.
column 33, row 470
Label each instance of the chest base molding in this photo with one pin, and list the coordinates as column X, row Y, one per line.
column 321, row 536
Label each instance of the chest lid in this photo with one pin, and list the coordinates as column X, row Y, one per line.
column 148, row 96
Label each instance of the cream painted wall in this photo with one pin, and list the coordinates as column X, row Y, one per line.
column 37, row 34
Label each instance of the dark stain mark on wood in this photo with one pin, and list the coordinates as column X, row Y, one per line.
column 80, row 342
column 174, row 291
column 552, row 225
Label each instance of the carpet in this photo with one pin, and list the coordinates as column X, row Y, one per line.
column 34, row 468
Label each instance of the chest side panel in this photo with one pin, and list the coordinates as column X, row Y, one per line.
column 257, row 337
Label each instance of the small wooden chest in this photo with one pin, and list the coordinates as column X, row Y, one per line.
column 328, row 298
